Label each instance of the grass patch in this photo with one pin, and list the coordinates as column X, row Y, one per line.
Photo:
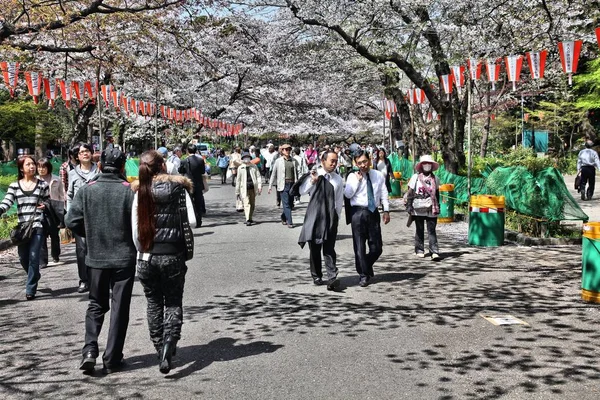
column 6, row 225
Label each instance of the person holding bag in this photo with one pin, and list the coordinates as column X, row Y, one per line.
column 30, row 194
column 54, row 212
column 162, row 214
column 423, row 205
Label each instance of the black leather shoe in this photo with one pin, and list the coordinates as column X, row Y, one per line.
column 333, row 284
column 318, row 281
column 88, row 362
column 83, row 287
column 111, row 369
column 363, row 282
column 30, row 296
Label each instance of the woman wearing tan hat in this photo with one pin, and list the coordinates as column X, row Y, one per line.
column 423, row 205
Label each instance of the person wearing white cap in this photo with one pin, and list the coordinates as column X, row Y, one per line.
column 423, row 205
column 247, row 185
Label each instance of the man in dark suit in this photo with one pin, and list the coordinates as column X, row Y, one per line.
column 194, row 168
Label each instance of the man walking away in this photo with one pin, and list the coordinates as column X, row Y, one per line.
column 366, row 191
column 101, row 212
column 587, row 162
column 193, row 168
column 326, row 189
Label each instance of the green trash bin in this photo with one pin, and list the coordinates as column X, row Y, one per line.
column 590, row 268
column 486, row 220
column 396, row 185
column 446, row 204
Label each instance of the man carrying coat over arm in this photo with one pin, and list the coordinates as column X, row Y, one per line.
column 326, row 189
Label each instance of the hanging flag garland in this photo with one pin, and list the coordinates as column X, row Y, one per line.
column 10, row 72
column 458, row 76
column 65, row 91
column 50, row 89
column 569, row 57
column 537, row 63
column 493, row 72
column 598, row 35
column 513, row 69
column 446, row 83
column 474, row 67
column 34, row 85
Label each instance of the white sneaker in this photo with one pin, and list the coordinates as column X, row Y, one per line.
column 435, row 256
column 421, row 255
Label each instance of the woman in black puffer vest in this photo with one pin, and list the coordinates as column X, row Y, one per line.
column 159, row 238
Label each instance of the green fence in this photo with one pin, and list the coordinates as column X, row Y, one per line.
column 542, row 195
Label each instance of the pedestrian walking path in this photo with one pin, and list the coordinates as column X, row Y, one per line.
column 590, row 207
column 257, row 328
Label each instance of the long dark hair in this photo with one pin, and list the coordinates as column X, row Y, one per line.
column 21, row 164
column 151, row 164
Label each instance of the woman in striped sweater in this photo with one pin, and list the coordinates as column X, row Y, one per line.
column 29, row 193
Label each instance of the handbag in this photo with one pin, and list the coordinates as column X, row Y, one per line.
column 422, row 203
column 239, row 204
column 578, row 181
column 23, row 232
column 186, row 229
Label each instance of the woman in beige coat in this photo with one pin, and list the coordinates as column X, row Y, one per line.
column 247, row 184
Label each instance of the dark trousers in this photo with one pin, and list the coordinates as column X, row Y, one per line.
column 80, row 252
column 199, row 205
column 588, row 177
column 54, row 234
column 286, row 203
column 29, row 257
column 420, row 234
column 102, row 281
column 328, row 248
column 163, row 279
column 366, row 229
column 223, row 174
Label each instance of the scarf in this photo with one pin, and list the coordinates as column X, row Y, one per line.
column 429, row 187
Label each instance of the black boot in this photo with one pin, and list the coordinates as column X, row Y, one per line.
column 167, row 353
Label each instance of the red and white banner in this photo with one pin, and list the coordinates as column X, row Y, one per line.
column 537, row 63
column 389, row 108
column 116, row 98
column 125, row 104
column 458, row 75
column 91, row 88
column 598, row 35
column 569, row 57
column 34, row 85
column 77, row 91
column 10, row 72
column 446, row 83
column 492, row 68
column 65, row 91
column 474, row 67
column 106, row 89
column 50, row 90
column 513, row 69
column 133, row 106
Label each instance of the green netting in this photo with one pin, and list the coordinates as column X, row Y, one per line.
column 132, row 167
column 543, row 195
column 460, row 182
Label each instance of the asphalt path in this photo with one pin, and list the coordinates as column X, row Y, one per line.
column 257, row 328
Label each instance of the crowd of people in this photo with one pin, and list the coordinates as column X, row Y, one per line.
column 148, row 224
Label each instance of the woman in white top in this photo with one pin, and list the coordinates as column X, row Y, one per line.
column 423, row 205
column 57, row 193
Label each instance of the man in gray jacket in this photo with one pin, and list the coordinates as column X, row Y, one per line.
column 101, row 212
column 284, row 173
column 84, row 172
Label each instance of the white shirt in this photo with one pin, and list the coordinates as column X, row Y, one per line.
column 357, row 191
column 307, row 187
column 588, row 157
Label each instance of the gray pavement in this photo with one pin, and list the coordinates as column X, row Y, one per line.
column 257, row 328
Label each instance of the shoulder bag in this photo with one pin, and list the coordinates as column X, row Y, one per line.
column 186, row 229
column 23, row 232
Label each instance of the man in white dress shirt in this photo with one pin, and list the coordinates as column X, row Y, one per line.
column 366, row 191
column 587, row 162
column 326, row 189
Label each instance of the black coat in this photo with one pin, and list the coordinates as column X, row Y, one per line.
column 320, row 217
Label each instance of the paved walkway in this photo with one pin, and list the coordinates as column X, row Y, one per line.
column 257, row 328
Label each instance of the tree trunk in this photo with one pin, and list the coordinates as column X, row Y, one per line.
column 40, row 143
column 486, row 128
column 447, row 139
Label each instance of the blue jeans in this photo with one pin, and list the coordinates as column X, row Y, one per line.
column 29, row 256
column 286, row 201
